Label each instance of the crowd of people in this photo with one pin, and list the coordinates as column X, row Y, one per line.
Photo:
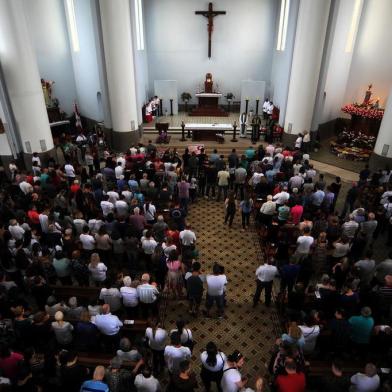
column 121, row 227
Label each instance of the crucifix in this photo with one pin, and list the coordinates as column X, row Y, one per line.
column 210, row 14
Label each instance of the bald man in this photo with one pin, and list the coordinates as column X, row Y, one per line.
column 96, row 384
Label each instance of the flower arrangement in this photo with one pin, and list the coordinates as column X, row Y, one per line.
column 363, row 111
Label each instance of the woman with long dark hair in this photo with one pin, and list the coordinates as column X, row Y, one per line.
column 231, row 206
column 212, row 362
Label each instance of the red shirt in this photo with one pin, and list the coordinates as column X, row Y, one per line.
column 9, row 366
column 75, row 188
column 296, row 213
column 291, row 383
column 33, row 216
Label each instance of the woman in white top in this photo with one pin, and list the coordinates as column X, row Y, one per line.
column 212, row 362
column 97, row 269
column 298, row 141
column 157, row 337
column 129, row 296
column 168, row 246
column 310, row 332
column 232, row 380
column 185, row 334
column 149, row 213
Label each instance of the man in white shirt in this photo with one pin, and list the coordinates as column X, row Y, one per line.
column 265, row 108
column 121, row 159
column 298, row 141
column 216, row 285
column 223, row 183
column 187, row 236
column 118, row 171
column 15, row 230
column 113, row 196
column 282, row 197
column 25, row 187
column 265, row 275
column 268, row 210
column 366, row 382
column 109, row 325
column 175, row 353
column 107, row 206
column 87, row 240
column 304, row 243
column 70, row 173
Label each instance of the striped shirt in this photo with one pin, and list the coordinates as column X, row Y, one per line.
column 147, row 293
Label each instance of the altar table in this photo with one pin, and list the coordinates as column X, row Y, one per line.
column 207, row 131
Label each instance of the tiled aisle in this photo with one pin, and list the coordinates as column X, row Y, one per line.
column 252, row 331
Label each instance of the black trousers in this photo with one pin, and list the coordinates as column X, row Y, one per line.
column 229, row 217
column 259, row 288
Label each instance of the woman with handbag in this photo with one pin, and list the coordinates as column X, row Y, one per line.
column 212, row 362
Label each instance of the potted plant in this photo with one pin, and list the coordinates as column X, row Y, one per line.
column 186, row 97
column 229, row 97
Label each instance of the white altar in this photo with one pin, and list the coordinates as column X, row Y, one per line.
column 208, row 131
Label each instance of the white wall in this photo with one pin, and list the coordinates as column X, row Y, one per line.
column 48, row 32
column 336, row 67
column 242, row 42
column 140, row 64
column 281, row 65
column 85, row 62
column 372, row 60
column 5, row 149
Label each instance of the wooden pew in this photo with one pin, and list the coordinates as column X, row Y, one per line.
column 85, row 293
column 319, row 368
column 91, row 360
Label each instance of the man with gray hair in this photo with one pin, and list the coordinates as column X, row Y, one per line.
column 137, row 221
column 369, row 226
column 148, row 296
column 159, row 229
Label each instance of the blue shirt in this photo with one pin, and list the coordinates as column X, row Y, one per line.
column 94, row 386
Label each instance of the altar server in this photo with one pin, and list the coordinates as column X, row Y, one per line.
column 242, row 122
column 265, row 108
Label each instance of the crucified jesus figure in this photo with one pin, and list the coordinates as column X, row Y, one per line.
column 210, row 14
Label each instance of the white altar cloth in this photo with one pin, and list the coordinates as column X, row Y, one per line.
column 218, row 127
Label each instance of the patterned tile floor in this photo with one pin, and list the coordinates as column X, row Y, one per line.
column 252, row 331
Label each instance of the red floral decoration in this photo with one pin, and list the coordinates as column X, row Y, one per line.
column 363, row 111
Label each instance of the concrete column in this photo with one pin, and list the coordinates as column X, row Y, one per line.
column 382, row 154
column 117, row 42
column 22, row 79
column 305, row 70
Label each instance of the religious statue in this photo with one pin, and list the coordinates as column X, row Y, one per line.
column 47, row 91
column 368, row 94
column 208, row 84
column 376, row 105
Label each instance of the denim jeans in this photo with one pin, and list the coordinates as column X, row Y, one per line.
column 218, row 299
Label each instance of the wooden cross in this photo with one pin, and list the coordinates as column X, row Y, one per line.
column 210, row 14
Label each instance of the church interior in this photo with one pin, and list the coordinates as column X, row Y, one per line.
column 127, row 102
